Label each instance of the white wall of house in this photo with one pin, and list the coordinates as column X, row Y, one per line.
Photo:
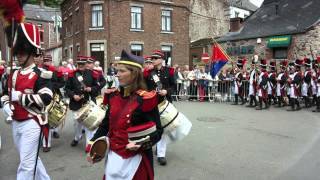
column 237, row 12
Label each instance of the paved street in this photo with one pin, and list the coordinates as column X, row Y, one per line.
column 226, row 143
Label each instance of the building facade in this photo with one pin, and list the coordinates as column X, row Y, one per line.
column 47, row 20
column 103, row 28
column 278, row 30
column 208, row 18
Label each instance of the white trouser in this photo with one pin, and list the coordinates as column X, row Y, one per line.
column 304, row 90
column 26, row 138
column 162, row 146
column 278, row 89
column 269, row 88
column 314, row 88
column 293, row 92
column 251, row 90
column 78, row 131
column 236, row 88
column 44, row 144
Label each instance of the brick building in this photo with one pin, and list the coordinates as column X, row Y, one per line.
column 102, row 28
column 45, row 18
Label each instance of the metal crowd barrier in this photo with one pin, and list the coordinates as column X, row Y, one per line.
column 206, row 90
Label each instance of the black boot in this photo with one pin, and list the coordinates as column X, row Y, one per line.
column 243, row 101
column 255, row 101
column 306, row 101
column 235, row 99
column 298, row 104
column 318, row 105
column 250, row 102
column 292, row 104
column 314, row 100
column 267, row 104
column 260, row 104
column 269, row 100
column 279, row 101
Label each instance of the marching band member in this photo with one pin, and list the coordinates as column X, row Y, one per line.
column 101, row 80
column 131, row 108
column 160, row 78
column 317, row 80
column 253, row 84
column 306, row 86
column 272, row 82
column 281, row 83
column 82, row 85
column 262, row 85
column 30, row 90
column 57, row 83
column 238, row 85
column 294, row 81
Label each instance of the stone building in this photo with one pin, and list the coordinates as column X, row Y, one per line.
column 279, row 29
column 102, row 28
column 45, row 18
column 208, row 18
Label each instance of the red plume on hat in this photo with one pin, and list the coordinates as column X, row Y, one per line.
column 273, row 64
column 307, row 62
column 240, row 63
column 12, row 13
column 284, row 63
column 298, row 62
column 263, row 63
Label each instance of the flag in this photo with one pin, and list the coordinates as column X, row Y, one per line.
column 219, row 59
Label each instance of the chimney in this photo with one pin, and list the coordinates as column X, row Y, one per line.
column 235, row 24
column 41, row 3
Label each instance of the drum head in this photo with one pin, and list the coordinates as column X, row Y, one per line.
column 99, row 148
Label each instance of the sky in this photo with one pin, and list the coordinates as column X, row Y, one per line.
column 257, row 2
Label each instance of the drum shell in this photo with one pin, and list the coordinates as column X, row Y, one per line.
column 56, row 111
column 168, row 116
column 91, row 115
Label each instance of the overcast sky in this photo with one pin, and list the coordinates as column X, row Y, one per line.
column 257, row 2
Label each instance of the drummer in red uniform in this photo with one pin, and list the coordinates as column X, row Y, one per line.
column 30, row 90
column 132, row 123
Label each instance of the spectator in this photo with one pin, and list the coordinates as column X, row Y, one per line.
column 71, row 66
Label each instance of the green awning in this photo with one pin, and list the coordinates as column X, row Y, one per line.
column 279, row 41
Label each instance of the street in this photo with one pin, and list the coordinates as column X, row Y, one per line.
column 226, row 143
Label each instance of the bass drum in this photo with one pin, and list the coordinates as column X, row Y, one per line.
column 56, row 111
column 91, row 114
column 168, row 116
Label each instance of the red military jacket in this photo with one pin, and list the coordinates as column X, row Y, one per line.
column 125, row 112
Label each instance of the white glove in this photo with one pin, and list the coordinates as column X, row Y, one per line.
column 15, row 95
column 8, row 112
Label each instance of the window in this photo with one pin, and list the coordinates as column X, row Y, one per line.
column 280, row 53
column 166, row 20
column 66, row 52
column 137, row 49
column 71, row 52
column 78, row 48
column 167, row 51
column 41, row 31
column 96, row 15
column 136, row 17
column 236, row 14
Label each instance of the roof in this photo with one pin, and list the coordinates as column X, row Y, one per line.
column 292, row 17
column 37, row 12
column 201, row 42
column 243, row 4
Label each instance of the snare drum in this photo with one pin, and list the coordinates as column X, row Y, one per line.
column 168, row 116
column 90, row 115
column 57, row 111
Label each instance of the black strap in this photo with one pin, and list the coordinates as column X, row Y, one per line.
column 39, row 143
